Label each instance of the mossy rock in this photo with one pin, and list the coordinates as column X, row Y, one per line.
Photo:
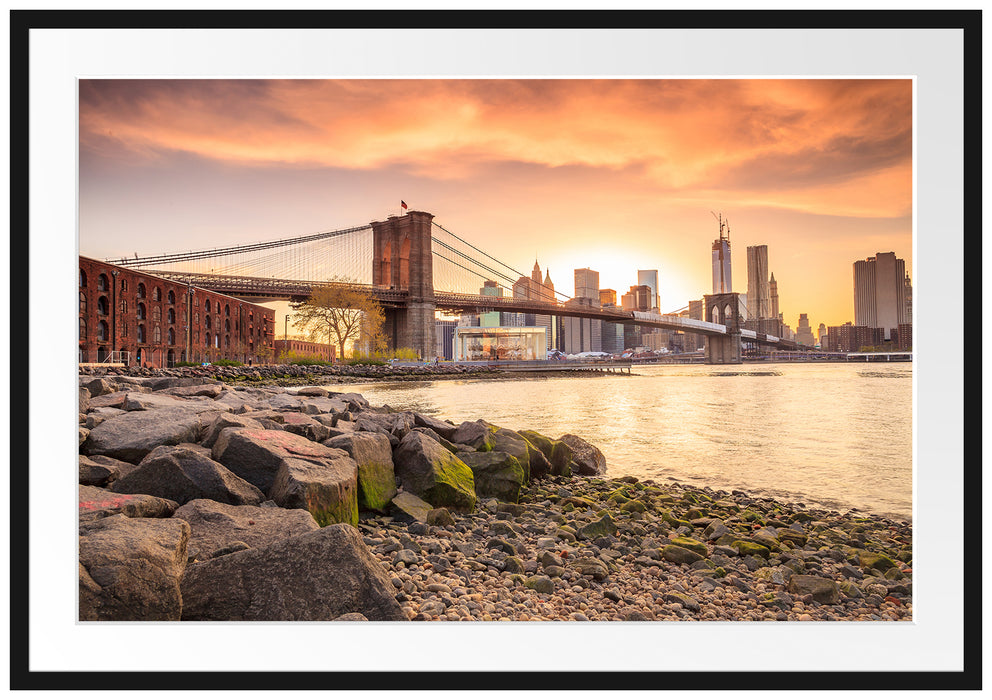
column 745, row 548
column 751, row 517
column 540, row 584
column 669, row 518
column 875, row 560
column 802, row 517
column 680, row 555
column 690, row 544
column 633, row 507
column 694, row 514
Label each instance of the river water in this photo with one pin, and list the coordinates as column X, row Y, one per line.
column 833, row 435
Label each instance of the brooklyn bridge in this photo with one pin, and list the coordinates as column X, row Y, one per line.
column 414, row 268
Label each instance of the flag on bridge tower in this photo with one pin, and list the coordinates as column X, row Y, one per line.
column 403, row 204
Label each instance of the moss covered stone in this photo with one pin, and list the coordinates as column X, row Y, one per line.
column 746, row 547
column 690, row 544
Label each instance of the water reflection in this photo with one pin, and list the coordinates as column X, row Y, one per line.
column 834, row 435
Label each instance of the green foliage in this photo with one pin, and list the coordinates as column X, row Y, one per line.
column 186, row 364
column 299, row 358
column 360, row 360
column 227, row 363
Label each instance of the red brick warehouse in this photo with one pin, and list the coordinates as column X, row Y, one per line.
column 156, row 322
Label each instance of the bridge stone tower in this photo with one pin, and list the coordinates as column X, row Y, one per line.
column 402, row 260
column 724, row 309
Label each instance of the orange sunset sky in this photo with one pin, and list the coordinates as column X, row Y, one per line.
column 616, row 175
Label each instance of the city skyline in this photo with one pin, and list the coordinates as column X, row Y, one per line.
column 613, row 175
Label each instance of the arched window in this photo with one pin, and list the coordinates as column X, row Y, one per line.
column 102, row 331
column 172, row 297
column 101, row 283
column 141, row 332
column 141, row 290
column 156, row 313
column 171, row 315
column 123, row 285
column 218, row 308
column 196, row 318
column 157, row 335
column 82, row 329
column 102, row 306
column 227, row 341
column 206, row 322
column 206, row 306
column 142, row 312
column 227, row 309
column 217, row 340
column 172, row 336
column 82, row 278
column 156, row 294
column 82, row 303
column 227, row 325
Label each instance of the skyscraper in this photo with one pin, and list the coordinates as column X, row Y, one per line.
column 721, row 261
column 880, row 293
column 773, row 292
column 758, row 291
column 650, row 278
column 587, row 285
column 804, row 334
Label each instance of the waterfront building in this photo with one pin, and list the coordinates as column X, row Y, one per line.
column 880, row 293
column 292, row 348
column 804, row 334
column 904, row 340
column 613, row 337
column 500, row 344
column 758, row 292
column 852, row 338
column 445, row 338
column 650, row 278
column 582, row 334
column 141, row 319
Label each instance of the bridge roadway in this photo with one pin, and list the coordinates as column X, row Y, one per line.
column 266, row 289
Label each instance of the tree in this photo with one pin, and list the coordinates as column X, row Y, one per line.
column 341, row 312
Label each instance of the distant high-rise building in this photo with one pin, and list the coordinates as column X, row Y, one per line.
column 908, row 292
column 758, row 291
column 650, row 278
column 880, row 293
column 637, row 299
column 587, row 285
column 721, row 261
column 804, row 334
column 773, row 293
column 607, row 297
column 536, row 288
column 821, row 335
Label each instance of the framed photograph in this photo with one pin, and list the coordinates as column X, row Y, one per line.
column 495, row 181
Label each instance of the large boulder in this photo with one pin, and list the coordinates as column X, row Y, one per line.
column 228, row 420
column 426, row 469
column 210, row 391
column 442, row 428
column 256, row 455
column 513, row 443
column 477, row 434
column 95, row 474
column 130, row 568
column 557, row 453
column 374, row 457
column 327, row 488
column 183, row 474
column 398, row 424
column 317, row 576
column 300, row 424
column 496, row 475
column 131, row 436
column 215, row 526
column 96, row 503
column 136, row 401
column 587, row 460
column 409, row 508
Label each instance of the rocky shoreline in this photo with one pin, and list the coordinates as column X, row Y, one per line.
column 202, row 500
